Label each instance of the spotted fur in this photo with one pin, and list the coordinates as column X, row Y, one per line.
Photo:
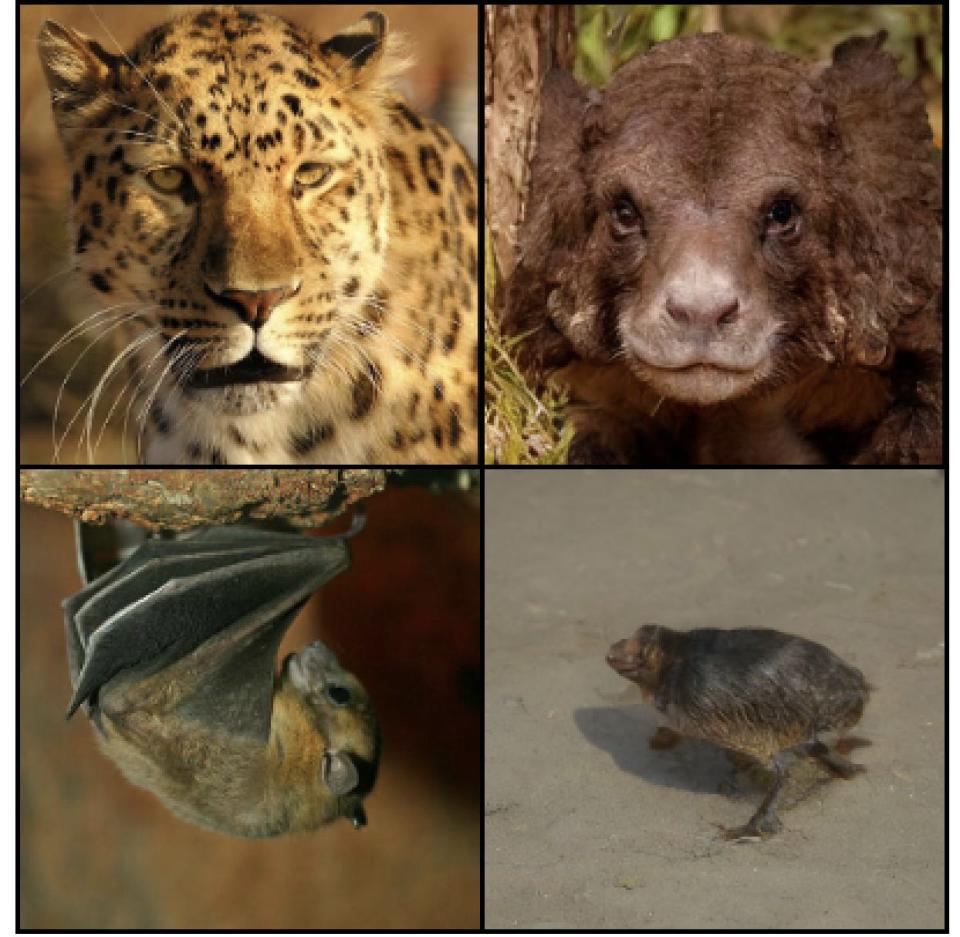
column 296, row 244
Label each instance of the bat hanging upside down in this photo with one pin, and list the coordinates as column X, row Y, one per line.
column 173, row 656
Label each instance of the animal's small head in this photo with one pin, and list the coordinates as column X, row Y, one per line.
column 337, row 709
column 640, row 658
column 723, row 214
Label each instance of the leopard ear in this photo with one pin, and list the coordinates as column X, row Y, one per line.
column 78, row 72
column 366, row 54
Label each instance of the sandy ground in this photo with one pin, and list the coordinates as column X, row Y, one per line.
column 586, row 826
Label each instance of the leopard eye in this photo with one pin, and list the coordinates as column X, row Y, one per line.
column 167, row 179
column 311, row 175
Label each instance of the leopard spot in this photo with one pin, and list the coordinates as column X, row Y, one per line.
column 366, row 387
column 99, row 281
column 302, row 443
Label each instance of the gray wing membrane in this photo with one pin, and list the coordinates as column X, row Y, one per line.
column 233, row 590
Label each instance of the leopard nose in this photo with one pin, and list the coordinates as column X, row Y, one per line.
column 253, row 306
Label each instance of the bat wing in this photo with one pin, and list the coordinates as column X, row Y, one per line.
column 223, row 597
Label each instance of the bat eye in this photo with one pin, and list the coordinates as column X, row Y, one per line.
column 338, row 695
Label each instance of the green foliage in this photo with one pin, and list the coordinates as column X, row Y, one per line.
column 519, row 427
column 608, row 36
column 811, row 32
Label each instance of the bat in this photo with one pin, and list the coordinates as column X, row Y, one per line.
column 172, row 655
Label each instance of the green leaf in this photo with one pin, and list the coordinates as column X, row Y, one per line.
column 664, row 23
column 633, row 37
column 593, row 59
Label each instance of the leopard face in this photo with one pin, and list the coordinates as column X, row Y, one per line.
column 293, row 245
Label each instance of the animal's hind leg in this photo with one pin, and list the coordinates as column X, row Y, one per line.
column 765, row 820
column 832, row 761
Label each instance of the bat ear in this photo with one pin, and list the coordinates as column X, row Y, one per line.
column 339, row 773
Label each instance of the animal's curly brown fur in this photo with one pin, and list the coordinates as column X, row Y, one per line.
column 733, row 256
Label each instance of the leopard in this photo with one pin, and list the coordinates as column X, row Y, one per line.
column 286, row 249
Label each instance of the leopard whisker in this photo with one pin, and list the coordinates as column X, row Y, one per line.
column 56, row 407
column 125, row 135
column 142, row 419
column 142, row 383
column 90, row 402
column 396, row 311
column 94, row 397
column 398, row 317
column 327, row 360
column 323, row 361
column 85, row 325
column 46, row 282
column 391, row 339
column 56, row 98
column 140, row 72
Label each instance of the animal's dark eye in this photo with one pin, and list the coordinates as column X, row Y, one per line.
column 338, row 695
column 783, row 217
column 781, row 211
column 626, row 215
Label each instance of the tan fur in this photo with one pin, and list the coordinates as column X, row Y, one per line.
column 229, row 784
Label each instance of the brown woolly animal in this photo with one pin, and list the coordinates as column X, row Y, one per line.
column 759, row 693
column 732, row 256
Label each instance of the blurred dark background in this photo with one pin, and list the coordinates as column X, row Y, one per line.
column 442, row 82
column 98, row 853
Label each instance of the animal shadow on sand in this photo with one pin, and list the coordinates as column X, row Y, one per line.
column 624, row 732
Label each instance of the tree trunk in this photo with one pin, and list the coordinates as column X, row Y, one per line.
column 522, row 44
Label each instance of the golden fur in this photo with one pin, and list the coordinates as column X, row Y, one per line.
column 292, row 247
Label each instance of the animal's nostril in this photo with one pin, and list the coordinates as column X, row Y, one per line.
column 253, row 306
column 678, row 312
column 729, row 313
column 703, row 314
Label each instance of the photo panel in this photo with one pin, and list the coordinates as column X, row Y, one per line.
column 728, row 677
column 249, row 235
column 714, row 235
column 290, row 696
